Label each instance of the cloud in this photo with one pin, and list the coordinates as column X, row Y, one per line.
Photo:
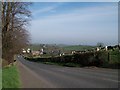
column 48, row 8
column 86, row 25
column 43, row 10
column 66, row 0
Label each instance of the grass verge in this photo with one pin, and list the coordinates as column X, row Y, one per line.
column 0, row 78
column 10, row 77
column 63, row 64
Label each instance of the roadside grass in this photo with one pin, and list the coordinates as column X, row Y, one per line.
column 10, row 77
column 53, row 63
column 63, row 64
column 0, row 78
column 67, row 64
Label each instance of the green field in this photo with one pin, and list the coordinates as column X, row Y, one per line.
column 40, row 46
column 34, row 47
column 10, row 77
column 78, row 47
column 62, row 47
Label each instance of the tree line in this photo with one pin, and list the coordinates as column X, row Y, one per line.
column 15, row 18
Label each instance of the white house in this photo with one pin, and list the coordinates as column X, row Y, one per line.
column 28, row 50
column 106, row 48
column 24, row 51
column 98, row 49
column 41, row 51
column 35, row 52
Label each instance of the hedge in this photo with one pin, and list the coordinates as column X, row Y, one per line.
column 99, row 59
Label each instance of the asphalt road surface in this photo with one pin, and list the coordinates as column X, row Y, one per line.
column 37, row 75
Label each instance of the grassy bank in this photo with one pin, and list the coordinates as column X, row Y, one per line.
column 10, row 77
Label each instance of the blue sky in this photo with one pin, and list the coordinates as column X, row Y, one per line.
column 74, row 23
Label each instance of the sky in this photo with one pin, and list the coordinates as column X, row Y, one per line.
column 74, row 23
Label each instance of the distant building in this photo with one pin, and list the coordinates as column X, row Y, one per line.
column 98, row 49
column 23, row 51
column 41, row 51
column 28, row 50
column 63, row 54
column 44, row 46
column 60, row 54
column 106, row 48
column 35, row 53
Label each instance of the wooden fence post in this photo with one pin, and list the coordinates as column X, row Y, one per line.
column 108, row 57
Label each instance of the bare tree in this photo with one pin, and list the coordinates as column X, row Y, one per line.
column 15, row 17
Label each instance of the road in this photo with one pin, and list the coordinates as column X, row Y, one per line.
column 37, row 75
